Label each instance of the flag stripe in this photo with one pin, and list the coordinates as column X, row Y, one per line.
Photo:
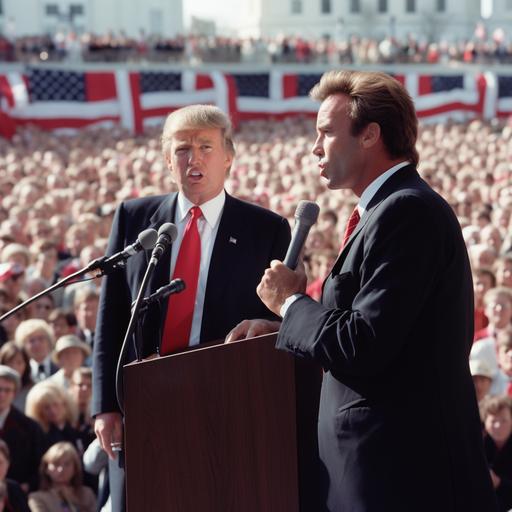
column 63, row 98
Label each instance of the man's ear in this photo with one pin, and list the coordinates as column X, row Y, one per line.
column 229, row 160
column 168, row 161
column 370, row 135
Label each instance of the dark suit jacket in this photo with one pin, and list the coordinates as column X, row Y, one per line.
column 26, row 444
column 398, row 421
column 500, row 461
column 248, row 238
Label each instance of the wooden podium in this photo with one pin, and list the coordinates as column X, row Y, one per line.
column 214, row 429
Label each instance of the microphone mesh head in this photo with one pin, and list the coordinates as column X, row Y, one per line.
column 148, row 238
column 168, row 229
column 307, row 212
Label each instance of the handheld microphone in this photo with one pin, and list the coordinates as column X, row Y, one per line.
column 167, row 233
column 306, row 215
column 145, row 240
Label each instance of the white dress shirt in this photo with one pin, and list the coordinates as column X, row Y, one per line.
column 207, row 225
column 367, row 195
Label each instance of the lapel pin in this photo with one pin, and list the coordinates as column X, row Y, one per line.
column 232, row 240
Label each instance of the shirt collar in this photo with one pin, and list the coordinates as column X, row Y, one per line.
column 375, row 185
column 212, row 209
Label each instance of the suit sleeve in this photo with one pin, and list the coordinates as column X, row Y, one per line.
column 112, row 321
column 401, row 260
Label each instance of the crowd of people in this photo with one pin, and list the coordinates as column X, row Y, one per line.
column 58, row 195
column 194, row 49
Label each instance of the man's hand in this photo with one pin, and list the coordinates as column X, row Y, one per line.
column 279, row 282
column 251, row 328
column 109, row 431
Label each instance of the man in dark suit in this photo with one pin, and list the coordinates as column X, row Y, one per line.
column 236, row 242
column 22, row 434
column 398, row 423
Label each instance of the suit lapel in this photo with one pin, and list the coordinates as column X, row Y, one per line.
column 384, row 191
column 165, row 213
column 225, row 255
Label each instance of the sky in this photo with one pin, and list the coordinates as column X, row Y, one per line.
column 224, row 12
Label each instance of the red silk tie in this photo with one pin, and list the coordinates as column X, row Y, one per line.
column 351, row 225
column 180, row 310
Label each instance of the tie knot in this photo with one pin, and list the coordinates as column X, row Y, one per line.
column 195, row 212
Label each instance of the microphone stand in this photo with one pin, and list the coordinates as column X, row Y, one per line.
column 100, row 264
column 135, row 329
column 166, row 235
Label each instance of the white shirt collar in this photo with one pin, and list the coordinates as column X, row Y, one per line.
column 212, row 209
column 375, row 185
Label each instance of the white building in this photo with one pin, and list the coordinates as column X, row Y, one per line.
column 30, row 17
column 429, row 19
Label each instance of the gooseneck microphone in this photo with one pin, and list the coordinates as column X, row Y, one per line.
column 306, row 215
column 167, row 233
column 146, row 240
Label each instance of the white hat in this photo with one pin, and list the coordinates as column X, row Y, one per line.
column 70, row 341
column 480, row 367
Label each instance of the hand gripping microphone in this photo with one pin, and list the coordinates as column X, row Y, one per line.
column 306, row 215
column 166, row 236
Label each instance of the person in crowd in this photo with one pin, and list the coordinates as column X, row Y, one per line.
column 483, row 375
column 496, row 413
column 397, row 307
column 85, row 306
column 16, row 358
column 483, row 280
column 36, row 338
column 81, row 393
column 15, row 499
column 61, row 488
column 95, row 461
column 69, row 354
column 502, row 346
column 498, row 310
column 503, row 270
column 62, row 322
column 23, row 435
column 51, row 406
column 12, row 277
column 214, row 231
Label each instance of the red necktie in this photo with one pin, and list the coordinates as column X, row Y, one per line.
column 180, row 310
column 351, row 225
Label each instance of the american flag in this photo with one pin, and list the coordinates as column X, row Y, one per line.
column 438, row 97
column 274, row 94
column 62, row 99
column 504, row 96
column 66, row 98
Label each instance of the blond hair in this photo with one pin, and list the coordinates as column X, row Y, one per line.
column 30, row 327
column 40, row 395
column 55, row 453
column 195, row 117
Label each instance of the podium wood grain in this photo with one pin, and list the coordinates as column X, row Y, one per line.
column 212, row 429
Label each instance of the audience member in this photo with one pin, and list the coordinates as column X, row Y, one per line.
column 69, row 354
column 61, row 486
column 23, row 436
column 496, row 413
column 36, row 338
column 51, row 406
column 15, row 499
column 16, row 358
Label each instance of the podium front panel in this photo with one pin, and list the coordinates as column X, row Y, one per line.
column 212, row 429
